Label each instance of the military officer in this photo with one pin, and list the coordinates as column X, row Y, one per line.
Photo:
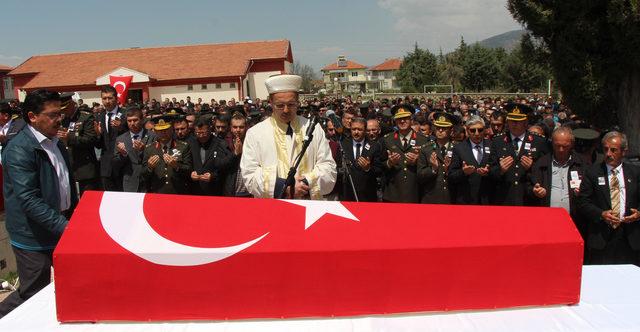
column 514, row 152
column 79, row 136
column 167, row 163
column 434, row 161
column 400, row 149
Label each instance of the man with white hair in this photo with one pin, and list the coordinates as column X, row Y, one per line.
column 271, row 147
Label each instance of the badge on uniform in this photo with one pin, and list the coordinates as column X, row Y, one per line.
column 366, row 146
column 72, row 126
column 215, row 153
column 601, row 181
column 575, row 180
column 412, row 142
column 175, row 153
column 487, row 150
column 527, row 146
column 450, row 153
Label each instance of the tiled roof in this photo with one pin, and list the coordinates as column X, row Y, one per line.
column 160, row 63
column 5, row 68
column 389, row 64
column 350, row 65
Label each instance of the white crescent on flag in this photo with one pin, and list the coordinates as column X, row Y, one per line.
column 122, row 217
column 122, row 84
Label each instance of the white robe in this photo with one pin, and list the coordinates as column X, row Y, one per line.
column 259, row 160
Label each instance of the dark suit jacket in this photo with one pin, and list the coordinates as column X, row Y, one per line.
column 216, row 160
column 364, row 181
column 401, row 180
column 107, row 142
column 510, row 187
column 595, row 198
column 130, row 166
column 435, row 189
column 471, row 189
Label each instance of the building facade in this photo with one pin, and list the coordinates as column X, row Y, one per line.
column 214, row 71
column 6, row 83
column 351, row 77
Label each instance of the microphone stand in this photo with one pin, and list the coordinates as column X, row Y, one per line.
column 346, row 169
column 291, row 177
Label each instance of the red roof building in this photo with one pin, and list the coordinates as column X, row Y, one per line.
column 349, row 76
column 213, row 71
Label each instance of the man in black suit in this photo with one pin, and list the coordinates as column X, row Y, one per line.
column 127, row 160
column 108, row 127
column 555, row 178
column 233, row 184
column 210, row 159
column 609, row 202
column 469, row 171
column 364, row 162
column 513, row 154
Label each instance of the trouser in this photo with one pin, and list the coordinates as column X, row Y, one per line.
column 616, row 251
column 111, row 184
column 34, row 271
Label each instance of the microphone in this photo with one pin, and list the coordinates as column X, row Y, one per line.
column 311, row 127
column 337, row 124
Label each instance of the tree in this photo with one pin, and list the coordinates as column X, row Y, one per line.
column 419, row 68
column 480, row 66
column 594, row 51
column 524, row 69
column 307, row 73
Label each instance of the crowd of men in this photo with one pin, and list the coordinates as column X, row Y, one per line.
column 458, row 150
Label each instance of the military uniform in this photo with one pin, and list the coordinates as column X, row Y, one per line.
column 434, row 182
column 164, row 179
column 511, row 186
column 401, row 180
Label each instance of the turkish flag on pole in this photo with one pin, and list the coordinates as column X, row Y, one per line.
column 121, row 83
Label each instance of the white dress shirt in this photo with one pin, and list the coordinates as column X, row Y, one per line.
column 55, row 156
column 5, row 129
column 521, row 137
column 477, row 153
column 110, row 116
column 355, row 148
column 623, row 192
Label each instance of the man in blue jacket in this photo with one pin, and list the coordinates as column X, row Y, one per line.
column 39, row 195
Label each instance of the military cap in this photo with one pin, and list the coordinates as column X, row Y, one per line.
column 517, row 112
column 402, row 111
column 443, row 119
column 586, row 134
column 162, row 123
column 66, row 99
column 174, row 114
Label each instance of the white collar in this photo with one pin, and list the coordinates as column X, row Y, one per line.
column 521, row 137
column 618, row 169
column 40, row 137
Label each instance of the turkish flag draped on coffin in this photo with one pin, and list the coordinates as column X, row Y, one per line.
column 137, row 257
column 121, row 84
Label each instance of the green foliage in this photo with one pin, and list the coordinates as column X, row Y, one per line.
column 525, row 69
column 481, row 67
column 419, row 68
column 594, row 52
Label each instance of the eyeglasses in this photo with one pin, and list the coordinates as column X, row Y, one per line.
column 52, row 115
column 476, row 130
column 291, row 106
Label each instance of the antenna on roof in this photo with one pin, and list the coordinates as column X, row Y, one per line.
column 342, row 61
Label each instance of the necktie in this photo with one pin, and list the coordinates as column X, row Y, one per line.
column 614, row 189
column 165, row 149
column 404, row 142
column 478, row 153
column 358, row 145
column 515, row 144
column 443, row 150
column 289, row 130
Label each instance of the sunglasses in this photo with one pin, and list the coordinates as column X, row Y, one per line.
column 476, row 130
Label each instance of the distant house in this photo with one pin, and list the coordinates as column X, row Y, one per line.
column 349, row 76
column 385, row 74
column 6, row 83
column 213, row 71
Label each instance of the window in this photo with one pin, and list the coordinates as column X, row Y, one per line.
column 189, row 87
column 218, row 85
column 232, row 85
column 203, row 87
column 354, row 74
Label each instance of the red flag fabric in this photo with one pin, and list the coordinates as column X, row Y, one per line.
column 150, row 257
column 122, row 84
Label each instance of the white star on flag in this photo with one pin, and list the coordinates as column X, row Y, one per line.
column 314, row 210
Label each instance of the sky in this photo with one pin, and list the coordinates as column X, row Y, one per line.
column 365, row 31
